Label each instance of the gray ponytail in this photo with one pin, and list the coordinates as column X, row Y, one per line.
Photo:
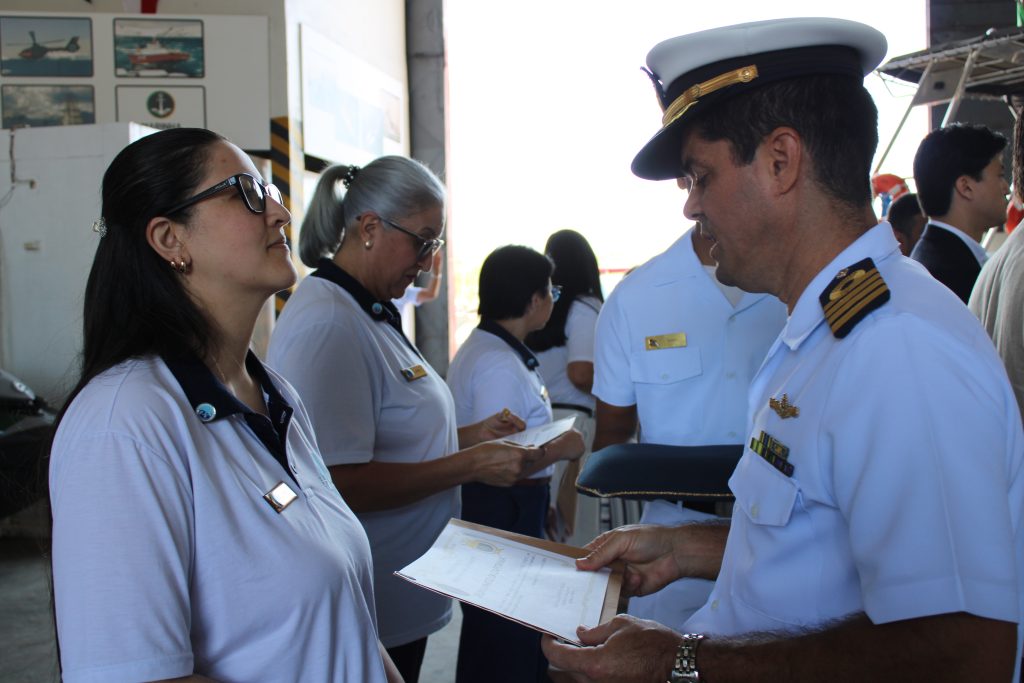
column 393, row 187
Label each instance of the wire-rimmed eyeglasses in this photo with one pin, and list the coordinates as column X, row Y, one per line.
column 426, row 246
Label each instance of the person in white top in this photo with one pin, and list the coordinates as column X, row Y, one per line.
column 565, row 350
column 565, row 345
column 196, row 533
column 689, row 389
column 877, row 532
column 491, row 371
column 383, row 417
column 962, row 188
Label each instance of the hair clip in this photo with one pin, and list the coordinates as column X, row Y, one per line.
column 99, row 226
column 350, row 176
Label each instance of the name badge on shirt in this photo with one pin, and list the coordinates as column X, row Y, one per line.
column 665, row 341
column 280, row 497
column 414, row 373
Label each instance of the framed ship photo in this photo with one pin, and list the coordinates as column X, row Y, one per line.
column 159, row 48
column 47, row 105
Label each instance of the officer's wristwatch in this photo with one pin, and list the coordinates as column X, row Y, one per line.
column 685, row 669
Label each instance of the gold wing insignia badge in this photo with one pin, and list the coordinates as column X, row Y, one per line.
column 784, row 408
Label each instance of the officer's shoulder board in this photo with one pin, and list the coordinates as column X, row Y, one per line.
column 853, row 293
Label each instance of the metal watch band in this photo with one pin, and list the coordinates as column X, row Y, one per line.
column 685, row 669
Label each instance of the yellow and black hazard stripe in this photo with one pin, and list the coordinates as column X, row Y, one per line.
column 285, row 146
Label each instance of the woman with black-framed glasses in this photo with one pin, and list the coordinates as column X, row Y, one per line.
column 383, row 416
column 196, row 532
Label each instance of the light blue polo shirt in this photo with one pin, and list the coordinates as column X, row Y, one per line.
column 901, row 493
column 167, row 559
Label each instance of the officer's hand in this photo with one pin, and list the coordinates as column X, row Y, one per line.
column 498, row 463
column 567, row 446
column 625, row 649
column 658, row 555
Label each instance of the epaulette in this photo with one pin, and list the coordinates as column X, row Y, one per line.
column 855, row 292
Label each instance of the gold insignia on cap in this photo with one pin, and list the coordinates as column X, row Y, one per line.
column 784, row 408
column 690, row 96
column 855, row 292
column 665, row 341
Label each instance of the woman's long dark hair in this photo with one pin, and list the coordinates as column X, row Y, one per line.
column 135, row 303
column 577, row 274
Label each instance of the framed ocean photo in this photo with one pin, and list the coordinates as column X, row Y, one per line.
column 159, row 48
column 59, row 47
column 47, row 105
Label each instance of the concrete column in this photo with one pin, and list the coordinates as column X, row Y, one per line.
column 425, row 49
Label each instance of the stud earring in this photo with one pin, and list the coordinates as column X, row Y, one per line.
column 367, row 244
column 179, row 265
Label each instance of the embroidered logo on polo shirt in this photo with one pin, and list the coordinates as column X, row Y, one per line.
column 665, row 341
column 413, row 373
column 774, row 452
column 852, row 294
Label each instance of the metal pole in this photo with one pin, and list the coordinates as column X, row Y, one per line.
column 954, row 104
column 910, row 107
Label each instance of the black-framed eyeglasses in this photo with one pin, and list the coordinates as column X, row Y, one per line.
column 556, row 293
column 253, row 190
column 426, row 247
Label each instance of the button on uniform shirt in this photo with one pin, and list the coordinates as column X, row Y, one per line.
column 899, row 490
column 687, row 393
column 488, row 374
column 167, row 560
column 347, row 363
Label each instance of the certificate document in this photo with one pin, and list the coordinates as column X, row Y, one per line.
column 527, row 580
column 536, row 436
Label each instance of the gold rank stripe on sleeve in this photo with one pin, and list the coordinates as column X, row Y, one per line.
column 855, row 292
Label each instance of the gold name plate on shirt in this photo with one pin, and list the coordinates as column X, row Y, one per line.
column 280, row 497
column 665, row 341
column 414, row 373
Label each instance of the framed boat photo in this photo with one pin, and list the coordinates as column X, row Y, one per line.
column 159, row 48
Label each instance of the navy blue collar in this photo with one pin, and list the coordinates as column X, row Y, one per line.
column 211, row 401
column 208, row 396
column 378, row 310
column 381, row 311
column 529, row 360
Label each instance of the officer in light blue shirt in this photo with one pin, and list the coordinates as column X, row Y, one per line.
column 877, row 532
column 675, row 353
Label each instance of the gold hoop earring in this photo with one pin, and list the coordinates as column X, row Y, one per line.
column 179, row 265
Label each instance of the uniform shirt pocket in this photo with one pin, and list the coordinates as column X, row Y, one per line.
column 776, row 556
column 665, row 366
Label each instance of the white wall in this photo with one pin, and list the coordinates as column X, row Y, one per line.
column 41, row 289
column 46, row 246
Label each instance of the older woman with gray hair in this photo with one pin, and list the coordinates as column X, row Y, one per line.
column 383, row 417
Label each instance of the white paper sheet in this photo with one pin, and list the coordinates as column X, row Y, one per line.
column 536, row 436
column 541, row 589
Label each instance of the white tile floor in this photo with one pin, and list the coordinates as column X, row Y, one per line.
column 442, row 648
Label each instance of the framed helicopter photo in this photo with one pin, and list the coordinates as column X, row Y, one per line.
column 46, row 46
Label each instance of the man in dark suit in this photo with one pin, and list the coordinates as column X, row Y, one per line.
column 962, row 189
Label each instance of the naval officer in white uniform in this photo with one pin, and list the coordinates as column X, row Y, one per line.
column 877, row 527
column 676, row 350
